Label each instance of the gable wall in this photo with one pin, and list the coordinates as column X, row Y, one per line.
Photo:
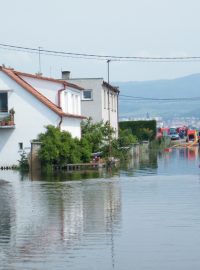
column 30, row 118
column 48, row 88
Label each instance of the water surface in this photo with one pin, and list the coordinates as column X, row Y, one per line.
column 144, row 216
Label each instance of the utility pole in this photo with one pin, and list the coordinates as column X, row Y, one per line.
column 108, row 61
column 109, row 135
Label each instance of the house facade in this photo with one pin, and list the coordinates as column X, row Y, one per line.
column 99, row 100
column 28, row 103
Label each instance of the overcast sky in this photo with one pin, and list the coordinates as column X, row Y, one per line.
column 105, row 27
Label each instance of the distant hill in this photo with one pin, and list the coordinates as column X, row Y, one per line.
column 185, row 87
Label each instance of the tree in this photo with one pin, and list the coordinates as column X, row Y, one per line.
column 97, row 134
column 126, row 138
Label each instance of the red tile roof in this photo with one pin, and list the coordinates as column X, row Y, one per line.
column 15, row 76
column 39, row 77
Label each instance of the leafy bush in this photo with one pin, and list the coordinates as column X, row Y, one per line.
column 59, row 148
column 126, row 137
column 23, row 162
column 143, row 130
column 96, row 134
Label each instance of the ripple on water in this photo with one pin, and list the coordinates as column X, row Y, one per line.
column 145, row 217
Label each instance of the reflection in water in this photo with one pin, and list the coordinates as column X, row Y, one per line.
column 56, row 218
column 7, row 214
column 145, row 163
column 145, row 216
column 60, row 176
column 5, row 211
column 178, row 161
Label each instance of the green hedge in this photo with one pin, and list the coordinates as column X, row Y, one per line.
column 143, row 130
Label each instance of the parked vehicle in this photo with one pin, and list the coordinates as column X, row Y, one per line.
column 182, row 134
column 192, row 135
column 174, row 136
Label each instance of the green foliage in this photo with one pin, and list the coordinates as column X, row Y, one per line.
column 23, row 162
column 161, row 143
column 96, row 134
column 59, row 148
column 85, row 149
column 100, row 138
column 126, row 138
column 143, row 130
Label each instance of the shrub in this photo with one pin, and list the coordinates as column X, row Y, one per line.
column 23, row 162
column 143, row 130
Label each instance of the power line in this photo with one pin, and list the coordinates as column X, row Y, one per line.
column 135, row 98
column 101, row 57
column 48, row 54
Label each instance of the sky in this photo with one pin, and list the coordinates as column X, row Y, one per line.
column 153, row 28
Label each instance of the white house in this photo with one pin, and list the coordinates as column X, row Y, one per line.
column 99, row 99
column 37, row 102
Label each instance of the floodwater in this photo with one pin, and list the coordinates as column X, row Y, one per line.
column 144, row 216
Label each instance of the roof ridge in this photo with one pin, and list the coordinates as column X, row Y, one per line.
column 40, row 77
column 12, row 74
column 35, row 76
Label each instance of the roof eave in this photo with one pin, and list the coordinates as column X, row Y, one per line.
column 113, row 88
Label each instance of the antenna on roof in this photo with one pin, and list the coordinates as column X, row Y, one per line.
column 39, row 58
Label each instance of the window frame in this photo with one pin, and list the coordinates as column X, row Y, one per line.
column 87, row 90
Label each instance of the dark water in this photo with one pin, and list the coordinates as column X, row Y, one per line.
column 144, row 216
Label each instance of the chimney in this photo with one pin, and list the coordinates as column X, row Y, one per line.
column 65, row 75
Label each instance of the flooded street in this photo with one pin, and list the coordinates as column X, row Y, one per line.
column 144, row 216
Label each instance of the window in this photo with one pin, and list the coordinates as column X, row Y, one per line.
column 112, row 102
column 20, row 146
column 73, row 103
column 115, row 97
column 4, row 102
column 87, row 94
column 76, row 104
column 105, row 99
column 66, row 102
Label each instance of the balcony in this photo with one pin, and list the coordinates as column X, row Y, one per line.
column 7, row 124
column 7, row 119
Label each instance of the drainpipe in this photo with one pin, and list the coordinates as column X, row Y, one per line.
column 59, row 103
column 61, row 119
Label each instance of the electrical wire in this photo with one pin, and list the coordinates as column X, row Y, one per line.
column 126, row 97
column 98, row 56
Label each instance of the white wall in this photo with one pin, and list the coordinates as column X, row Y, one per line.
column 72, row 125
column 113, row 108
column 91, row 108
column 31, row 117
column 70, row 99
column 97, row 108
column 48, row 88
